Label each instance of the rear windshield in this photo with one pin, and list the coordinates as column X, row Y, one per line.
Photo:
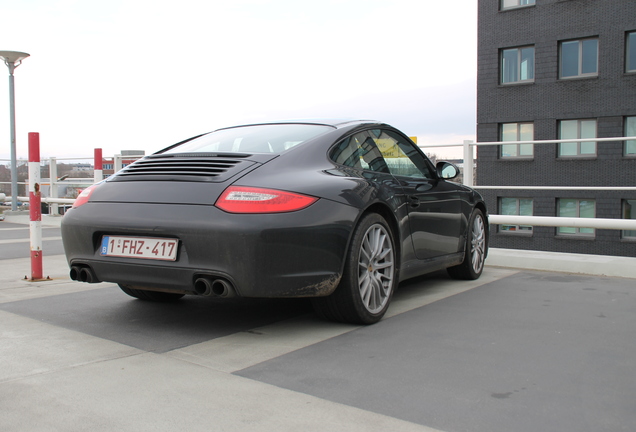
column 274, row 138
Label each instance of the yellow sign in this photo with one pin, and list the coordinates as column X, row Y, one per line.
column 388, row 147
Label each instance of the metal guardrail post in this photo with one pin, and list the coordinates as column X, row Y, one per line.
column 53, row 206
column 118, row 162
column 469, row 163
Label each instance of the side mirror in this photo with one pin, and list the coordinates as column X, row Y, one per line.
column 447, row 170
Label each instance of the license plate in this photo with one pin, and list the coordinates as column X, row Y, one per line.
column 139, row 247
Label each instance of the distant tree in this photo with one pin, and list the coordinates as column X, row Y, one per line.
column 23, row 177
column 63, row 169
column 82, row 174
column 5, row 176
column 45, row 171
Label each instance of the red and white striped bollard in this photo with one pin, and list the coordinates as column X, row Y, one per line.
column 35, row 207
column 99, row 172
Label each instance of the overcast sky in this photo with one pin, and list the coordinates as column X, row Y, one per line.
column 144, row 74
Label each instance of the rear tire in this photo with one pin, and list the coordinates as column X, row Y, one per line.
column 476, row 249
column 154, row 296
column 369, row 279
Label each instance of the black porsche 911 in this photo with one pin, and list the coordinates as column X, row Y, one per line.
column 338, row 211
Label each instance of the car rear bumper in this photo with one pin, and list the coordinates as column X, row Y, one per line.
column 297, row 254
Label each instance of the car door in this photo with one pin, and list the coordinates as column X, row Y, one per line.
column 434, row 205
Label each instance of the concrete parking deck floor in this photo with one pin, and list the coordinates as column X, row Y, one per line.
column 517, row 350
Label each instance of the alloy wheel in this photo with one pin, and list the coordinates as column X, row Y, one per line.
column 478, row 244
column 376, row 268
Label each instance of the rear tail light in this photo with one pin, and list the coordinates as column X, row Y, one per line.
column 83, row 197
column 239, row 199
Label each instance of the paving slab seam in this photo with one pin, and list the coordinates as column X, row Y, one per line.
column 68, row 368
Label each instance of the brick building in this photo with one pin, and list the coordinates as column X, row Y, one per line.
column 558, row 69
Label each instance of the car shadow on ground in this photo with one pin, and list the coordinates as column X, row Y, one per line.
column 110, row 314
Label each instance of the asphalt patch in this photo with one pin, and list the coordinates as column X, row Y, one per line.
column 533, row 351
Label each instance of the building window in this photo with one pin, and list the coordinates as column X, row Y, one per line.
column 517, row 65
column 579, row 58
column 630, row 131
column 515, row 207
column 516, row 132
column 630, row 52
column 509, row 4
column 575, row 129
column 629, row 212
column 576, row 208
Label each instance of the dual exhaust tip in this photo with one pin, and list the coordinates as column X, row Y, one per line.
column 83, row 274
column 213, row 287
column 206, row 286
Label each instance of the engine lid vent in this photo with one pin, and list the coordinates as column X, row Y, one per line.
column 185, row 167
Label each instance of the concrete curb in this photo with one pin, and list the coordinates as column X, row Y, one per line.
column 594, row 265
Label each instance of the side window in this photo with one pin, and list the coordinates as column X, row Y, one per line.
column 382, row 151
column 360, row 151
column 401, row 155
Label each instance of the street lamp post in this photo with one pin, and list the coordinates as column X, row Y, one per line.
column 13, row 59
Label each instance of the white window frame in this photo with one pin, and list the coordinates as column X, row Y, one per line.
column 578, row 232
column 580, row 73
column 628, row 234
column 518, row 65
column 630, row 62
column 516, row 229
column 578, row 136
column 518, row 154
column 517, row 4
column 630, row 130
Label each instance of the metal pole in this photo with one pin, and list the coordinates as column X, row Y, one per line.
column 468, row 163
column 13, row 59
column 14, row 167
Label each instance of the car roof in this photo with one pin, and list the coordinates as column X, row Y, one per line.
column 336, row 123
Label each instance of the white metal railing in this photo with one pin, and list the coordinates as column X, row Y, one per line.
column 553, row 221
column 46, row 200
column 54, row 198
column 597, row 223
column 468, row 149
column 614, row 188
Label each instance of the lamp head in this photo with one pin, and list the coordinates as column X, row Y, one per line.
column 13, row 57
